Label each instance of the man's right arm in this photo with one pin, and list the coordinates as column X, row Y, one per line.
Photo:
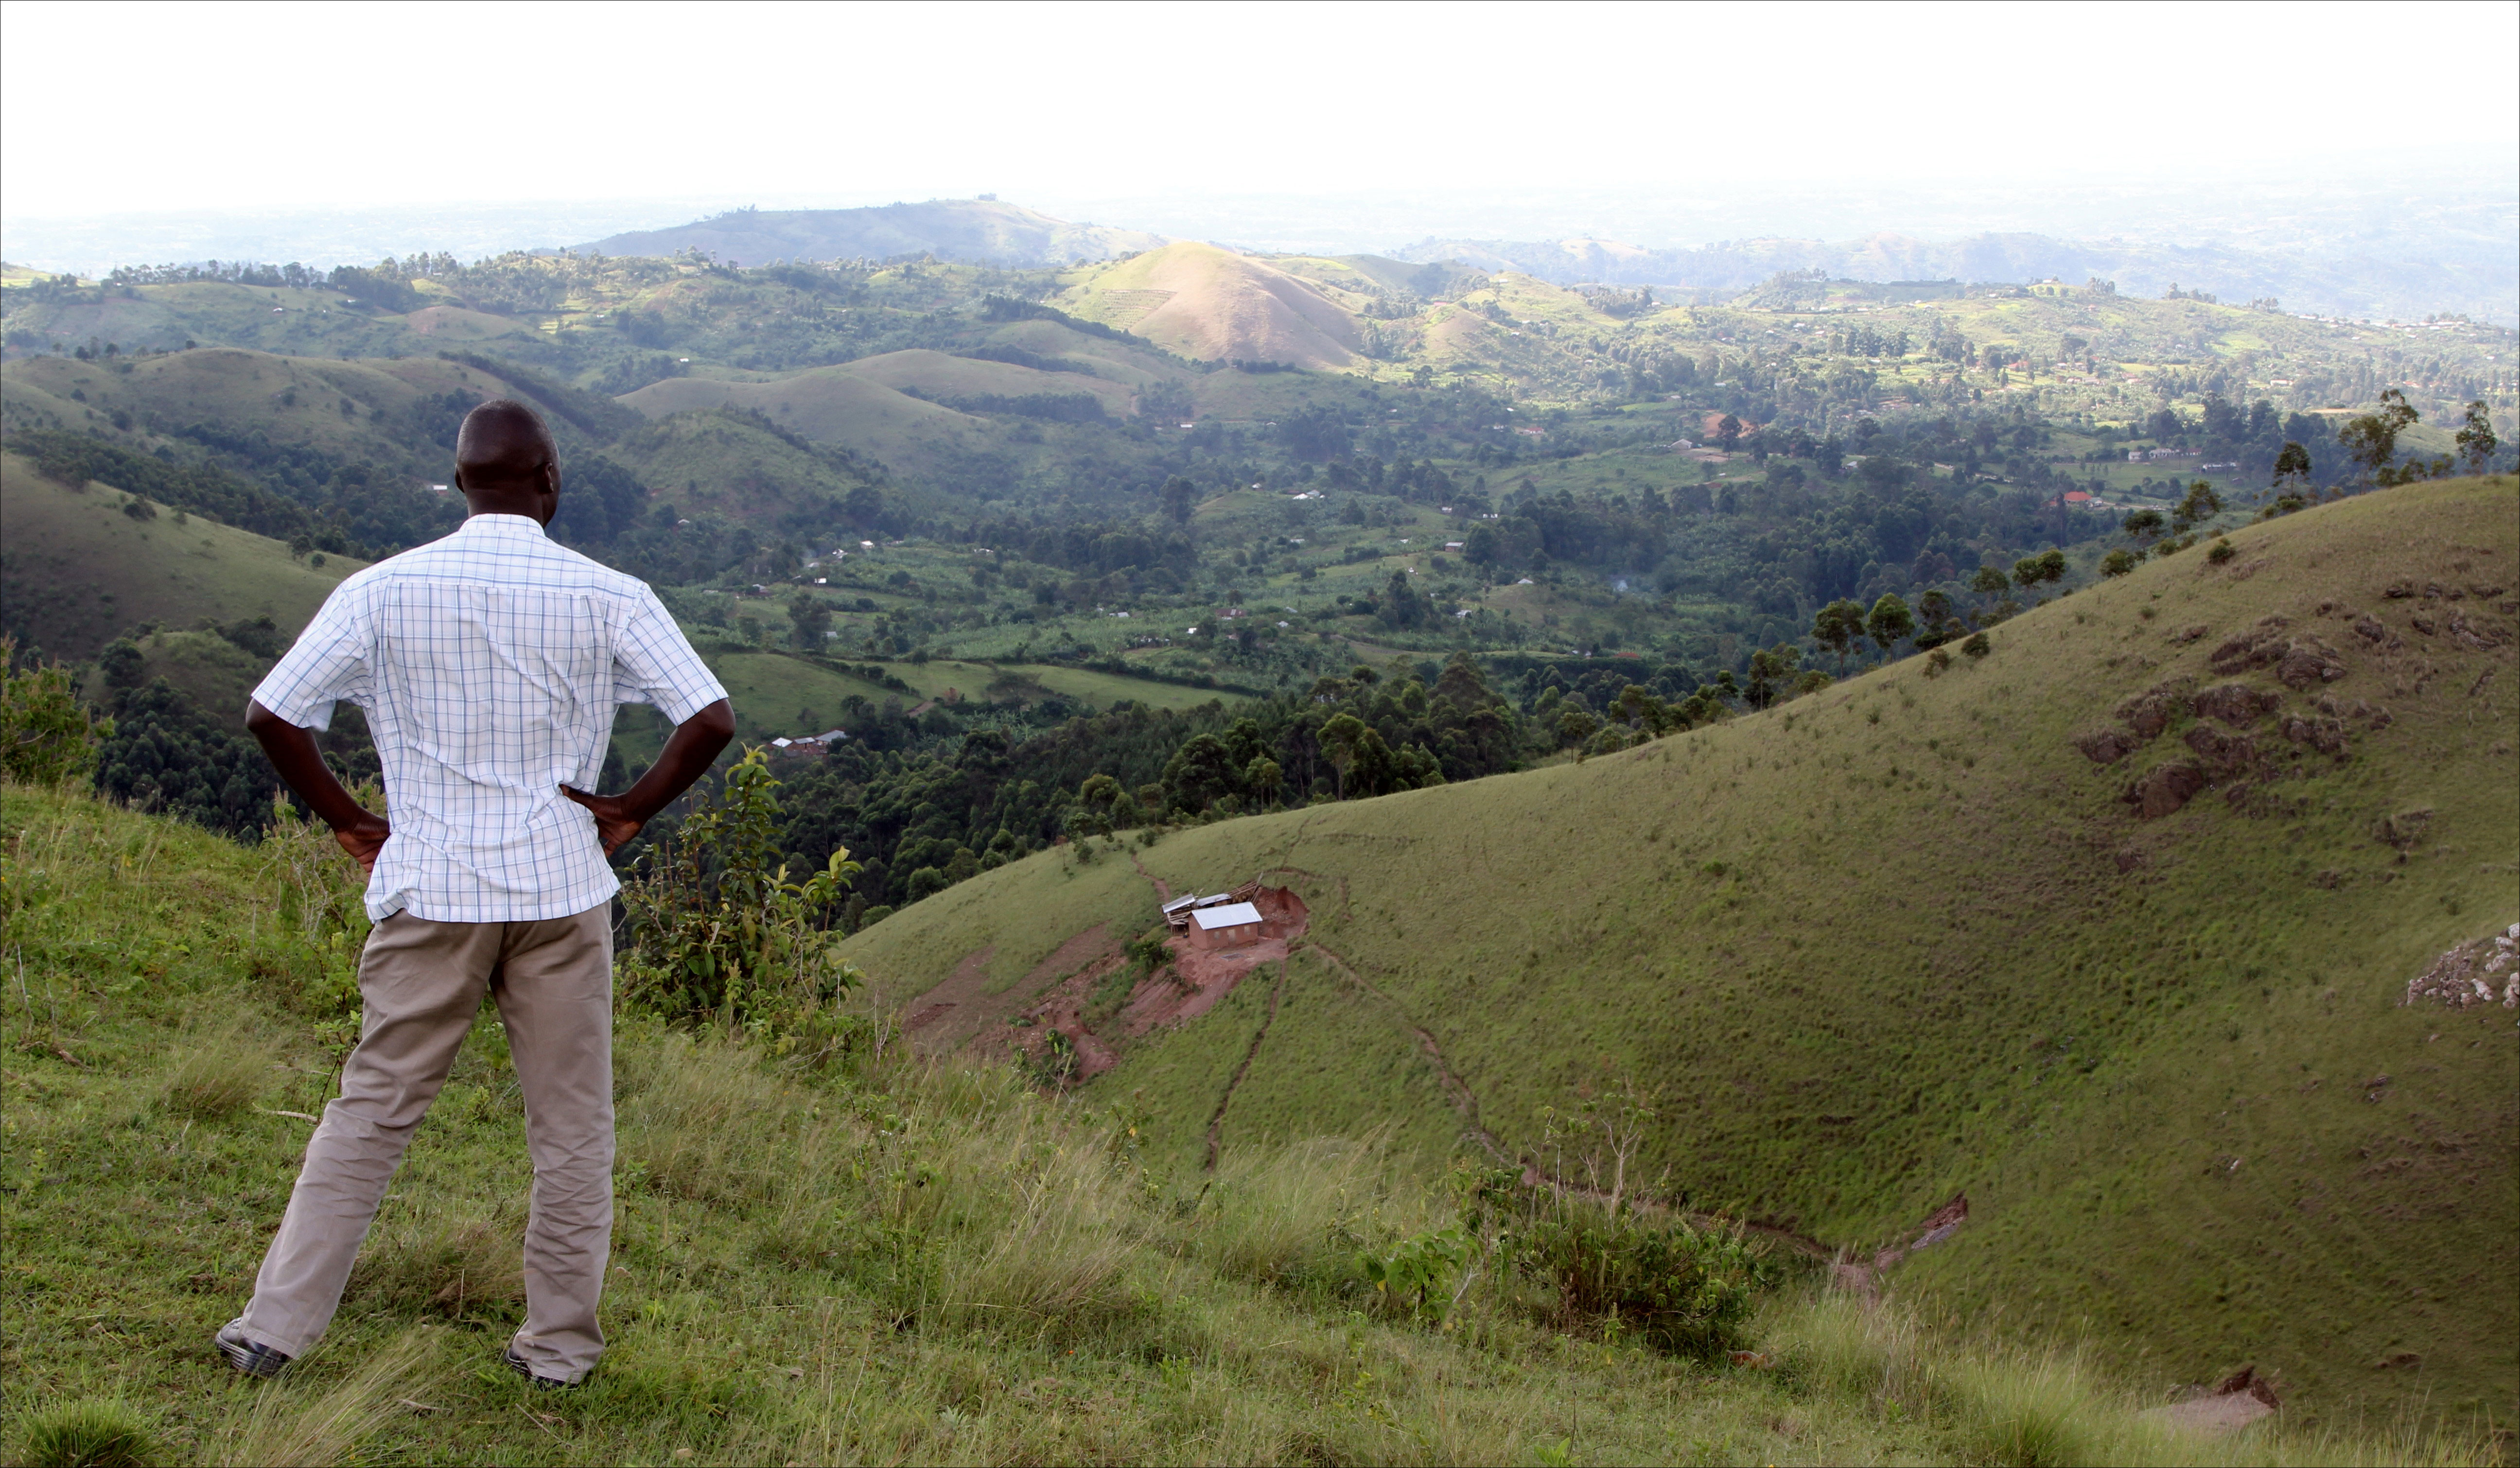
column 293, row 752
column 686, row 758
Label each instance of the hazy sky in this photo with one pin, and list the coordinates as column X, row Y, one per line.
column 112, row 109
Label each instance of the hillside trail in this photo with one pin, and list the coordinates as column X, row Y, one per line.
column 1847, row 1269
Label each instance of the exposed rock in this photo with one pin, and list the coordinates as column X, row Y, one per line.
column 2236, row 704
column 2483, row 971
column 2105, row 746
column 2183, row 635
column 2308, row 662
column 2476, row 633
column 2129, row 859
column 2165, row 788
column 2355, row 709
column 2424, row 622
column 2326, row 736
column 2370, row 628
column 2257, row 647
column 2400, row 590
column 2224, row 755
column 2150, row 712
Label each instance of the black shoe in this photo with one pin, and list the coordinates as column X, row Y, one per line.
column 517, row 1363
column 247, row 1357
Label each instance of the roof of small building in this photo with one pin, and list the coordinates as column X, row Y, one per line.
column 1180, row 902
column 1231, row 916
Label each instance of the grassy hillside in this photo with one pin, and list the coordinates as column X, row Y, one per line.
column 870, row 1259
column 942, row 375
column 76, row 570
column 831, row 405
column 1213, row 305
column 1903, row 939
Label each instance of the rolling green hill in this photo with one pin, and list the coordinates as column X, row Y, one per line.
column 80, row 570
column 1905, row 939
column 831, row 405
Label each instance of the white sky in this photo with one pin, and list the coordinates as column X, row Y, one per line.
column 112, row 109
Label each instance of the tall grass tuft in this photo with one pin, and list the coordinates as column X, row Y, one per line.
column 90, row 1433
column 442, row 1261
column 221, row 1076
column 286, row 1426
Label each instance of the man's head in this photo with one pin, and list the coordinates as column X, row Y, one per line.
column 505, row 463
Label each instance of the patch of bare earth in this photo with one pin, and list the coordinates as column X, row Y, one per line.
column 963, row 1014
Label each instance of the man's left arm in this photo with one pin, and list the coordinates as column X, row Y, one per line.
column 687, row 755
column 654, row 662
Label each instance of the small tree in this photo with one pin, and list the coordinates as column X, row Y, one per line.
column 718, row 931
column 1836, row 628
column 2292, row 469
column 2200, row 505
column 1727, row 433
column 2143, row 528
column 810, row 620
column 2475, row 439
column 1888, row 622
column 2118, row 563
column 2031, row 570
column 2371, row 440
column 1978, row 645
column 1989, row 581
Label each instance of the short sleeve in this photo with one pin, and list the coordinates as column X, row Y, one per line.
column 332, row 659
column 652, row 662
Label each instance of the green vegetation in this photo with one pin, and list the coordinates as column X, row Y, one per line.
column 1907, row 937
column 829, row 1259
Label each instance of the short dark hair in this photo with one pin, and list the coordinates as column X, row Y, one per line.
column 501, row 434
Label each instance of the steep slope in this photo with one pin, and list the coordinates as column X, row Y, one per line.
column 75, row 570
column 1905, row 939
column 952, row 229
column 1216, row 305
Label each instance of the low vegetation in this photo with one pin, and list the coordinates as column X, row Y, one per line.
column 870, row 1256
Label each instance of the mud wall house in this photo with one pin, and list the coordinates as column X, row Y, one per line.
column 1232, row 926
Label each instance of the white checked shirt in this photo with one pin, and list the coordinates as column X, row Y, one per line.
column 489, row 663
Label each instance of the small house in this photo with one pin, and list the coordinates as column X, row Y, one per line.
column 1230, row 925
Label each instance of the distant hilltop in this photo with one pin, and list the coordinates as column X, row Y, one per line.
column 982, row 229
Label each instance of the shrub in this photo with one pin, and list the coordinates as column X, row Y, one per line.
column 2221, row 553
column 1684, row 1290
column 1977, row 645
column 46, row 735
column 719, row 930
column 91, row 1433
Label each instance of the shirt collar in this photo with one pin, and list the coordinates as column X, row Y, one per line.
column 502, row 524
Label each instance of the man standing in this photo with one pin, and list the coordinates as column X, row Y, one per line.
column 489, row 664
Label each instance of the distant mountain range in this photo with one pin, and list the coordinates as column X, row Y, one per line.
column 2340, row 282
column 982, row 229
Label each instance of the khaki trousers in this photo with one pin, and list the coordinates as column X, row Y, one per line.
column 419, row 987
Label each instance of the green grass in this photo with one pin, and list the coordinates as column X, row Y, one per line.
column 894, row 1259
column 79, row 571
column 1901, row 940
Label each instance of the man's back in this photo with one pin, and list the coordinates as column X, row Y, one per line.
column 489, row 664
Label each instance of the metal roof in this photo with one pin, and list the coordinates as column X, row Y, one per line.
column 1179, row 903
column 1231, row 916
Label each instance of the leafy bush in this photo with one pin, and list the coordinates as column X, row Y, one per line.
column 719, row 931
column 1683, row 1289
column 46, row 735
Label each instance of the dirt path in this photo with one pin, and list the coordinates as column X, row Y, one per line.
column 1216, row 1120
column 1847, row 1271
column 1455, row 1090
